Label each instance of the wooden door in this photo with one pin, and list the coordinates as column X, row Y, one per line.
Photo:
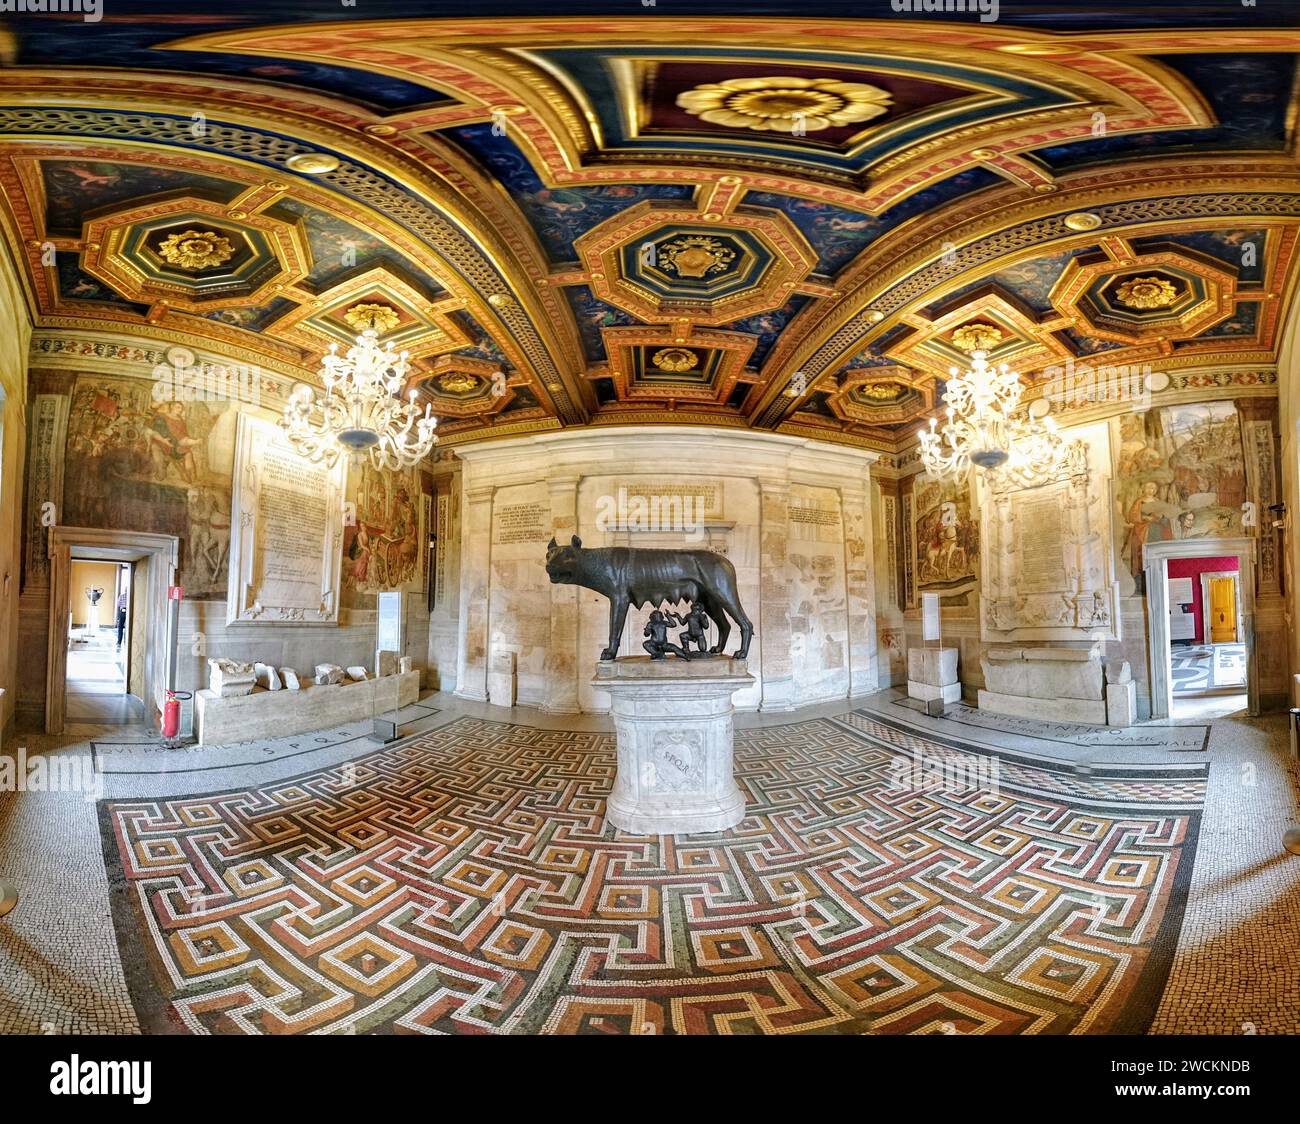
column 1223, row 610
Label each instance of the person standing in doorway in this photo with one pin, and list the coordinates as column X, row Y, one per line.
column 121, row 617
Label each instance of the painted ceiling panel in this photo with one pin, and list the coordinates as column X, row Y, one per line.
column 668, row 218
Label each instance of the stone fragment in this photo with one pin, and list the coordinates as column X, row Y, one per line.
column 291, row 680
column 328, row 674
column 231, row 677
column 1119, row 671
column 385, row 661
column 407, row 664
column 1121, row 703
column 358, row 674
column 267, row 676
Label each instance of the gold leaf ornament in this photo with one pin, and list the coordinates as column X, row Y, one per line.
column 695, row 255
column 194, row 250
column 1147, row 293
column 674, row 359
column 379, row 318
column 784, row 104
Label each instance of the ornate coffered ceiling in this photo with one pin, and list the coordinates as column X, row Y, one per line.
column 780, row 224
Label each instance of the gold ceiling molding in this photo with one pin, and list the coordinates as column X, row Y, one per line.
column 554, row 320
column 543, row 128
column 489, row 62
column 503, row 238
column 914, row 245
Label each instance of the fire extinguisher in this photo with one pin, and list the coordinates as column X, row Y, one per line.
column 171, row 716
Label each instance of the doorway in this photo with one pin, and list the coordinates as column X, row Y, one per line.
column 88, row 677
column 99, row 644
column 1201, row 628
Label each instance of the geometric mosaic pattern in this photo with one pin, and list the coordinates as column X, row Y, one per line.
column 464, row 882
column 1200, row 668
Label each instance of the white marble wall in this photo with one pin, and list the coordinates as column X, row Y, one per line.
column 792, row 515
column 819, row 625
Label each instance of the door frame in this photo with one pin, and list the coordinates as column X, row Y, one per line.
column 94, row 543
column 1155, row 560
column 1206, row 577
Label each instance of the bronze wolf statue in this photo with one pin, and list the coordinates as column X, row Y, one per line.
column 641, row 576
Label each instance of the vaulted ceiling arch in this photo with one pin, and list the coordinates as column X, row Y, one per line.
column 736, row 220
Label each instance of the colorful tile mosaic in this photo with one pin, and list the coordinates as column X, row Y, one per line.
column 464, row 882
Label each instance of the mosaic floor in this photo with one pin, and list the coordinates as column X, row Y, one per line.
column 1208, row 667
column 463, row 882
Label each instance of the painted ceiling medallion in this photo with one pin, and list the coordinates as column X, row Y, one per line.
column 882, row 391
column 977, row 337
column 1147, row 292
column 458, row 382
column 784, row 104
column 675, row 359
column 695, row 256
column 378, row 317
column 195, row 250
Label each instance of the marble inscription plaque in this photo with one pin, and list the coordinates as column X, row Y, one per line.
column 291, row 509
column 48, row 435
column 286, row 548
column 521, row 522
column 1040, row 530
column 706, row 498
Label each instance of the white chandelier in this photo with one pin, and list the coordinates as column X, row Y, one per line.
column 361, row 411
column 981, row 431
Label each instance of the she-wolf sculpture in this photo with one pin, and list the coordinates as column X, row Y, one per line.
column 642, row 576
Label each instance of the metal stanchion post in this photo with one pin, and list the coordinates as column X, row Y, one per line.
column 8, row 898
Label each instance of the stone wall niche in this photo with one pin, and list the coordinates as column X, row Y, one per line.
column 792, row 515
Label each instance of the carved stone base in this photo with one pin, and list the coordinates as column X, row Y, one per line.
column 673, row 720
column 926, row 692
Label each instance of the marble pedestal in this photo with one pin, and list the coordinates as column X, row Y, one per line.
column 932, row 675
column 673, row 720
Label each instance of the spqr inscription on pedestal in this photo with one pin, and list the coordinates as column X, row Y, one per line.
column 675, row 758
